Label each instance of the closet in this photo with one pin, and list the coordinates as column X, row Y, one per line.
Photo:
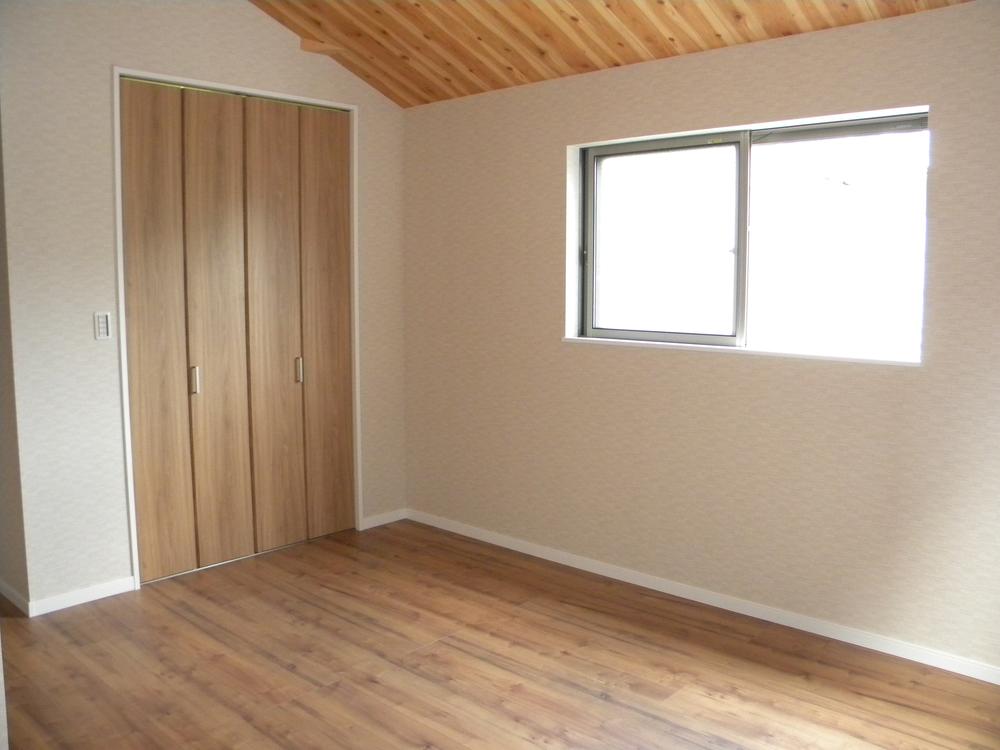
column 236, row 220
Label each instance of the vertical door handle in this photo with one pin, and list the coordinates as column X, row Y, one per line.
column 300, row 372
column 194, row 379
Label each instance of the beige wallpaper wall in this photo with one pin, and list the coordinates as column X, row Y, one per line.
column 13, row 567
column 863, row 494
column 56, row 90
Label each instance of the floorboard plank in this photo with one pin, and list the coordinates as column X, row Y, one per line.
column 405, row 636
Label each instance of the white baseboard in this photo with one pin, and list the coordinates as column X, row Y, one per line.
column 921, row 654
column 35, row 607
column 14, row 596
column 79, row 596
column 370, row 522
column 885, row 644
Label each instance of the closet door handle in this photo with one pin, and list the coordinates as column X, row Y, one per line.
column 194, row 379
column 300, row 372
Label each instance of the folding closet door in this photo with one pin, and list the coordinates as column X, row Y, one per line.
column 237, row 239
column 275, row 321
column 153, row 222
column 216, row 305
column 326, row 318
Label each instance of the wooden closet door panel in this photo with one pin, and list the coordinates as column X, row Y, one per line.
column 155, row 312
column 275, row 325
column 216, row 302
column 326, row 318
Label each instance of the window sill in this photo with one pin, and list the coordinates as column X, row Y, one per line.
column 738, row 350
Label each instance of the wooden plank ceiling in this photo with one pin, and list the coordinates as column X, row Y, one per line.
column 421, row 51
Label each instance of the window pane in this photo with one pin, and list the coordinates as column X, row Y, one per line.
column 836, row 255
column 665, row 241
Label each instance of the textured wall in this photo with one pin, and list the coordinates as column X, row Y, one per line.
column 56, row 89
column 863, row 494
column 13, row 566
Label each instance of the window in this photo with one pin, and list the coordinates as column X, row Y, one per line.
column 799, row 240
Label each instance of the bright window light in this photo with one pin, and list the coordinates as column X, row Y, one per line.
column 805, row 240
column 836, row 246
column 667, row 234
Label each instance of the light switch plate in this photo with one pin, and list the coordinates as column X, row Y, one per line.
column 102, row 325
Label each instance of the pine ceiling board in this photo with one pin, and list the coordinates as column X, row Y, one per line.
column 673, row 22
column 866, row 9
column 766, row 20
column 277, row 10
column 453, row 45
column 393, row 75
column 633, row 28
column 362, row 68
column 552, row 37
column 598, row 53
column 293, row 16
column 412, row 47
column 519, row 61
column 497, row 15
column 817, row 14
column 733, row 16
column 312, row 33
column 889, row 8
column 451, row 31
column 397, row 69
column 596, row 29
column 696, row 17
column 421, row 51
column 504, row 39
column 847, row 12
column 616, row 30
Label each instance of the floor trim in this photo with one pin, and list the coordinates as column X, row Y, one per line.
column 35, row 607
column 381, row 519
column 921, row 654
column 79, row 596
column 14, row 596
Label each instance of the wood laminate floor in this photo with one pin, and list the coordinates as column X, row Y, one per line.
column 408, row 637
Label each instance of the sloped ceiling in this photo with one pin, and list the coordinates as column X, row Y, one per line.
column 421, row 51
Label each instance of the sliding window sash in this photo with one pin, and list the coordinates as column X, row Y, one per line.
column 591, row 165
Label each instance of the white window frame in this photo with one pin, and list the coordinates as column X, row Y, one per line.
column 744, row 139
